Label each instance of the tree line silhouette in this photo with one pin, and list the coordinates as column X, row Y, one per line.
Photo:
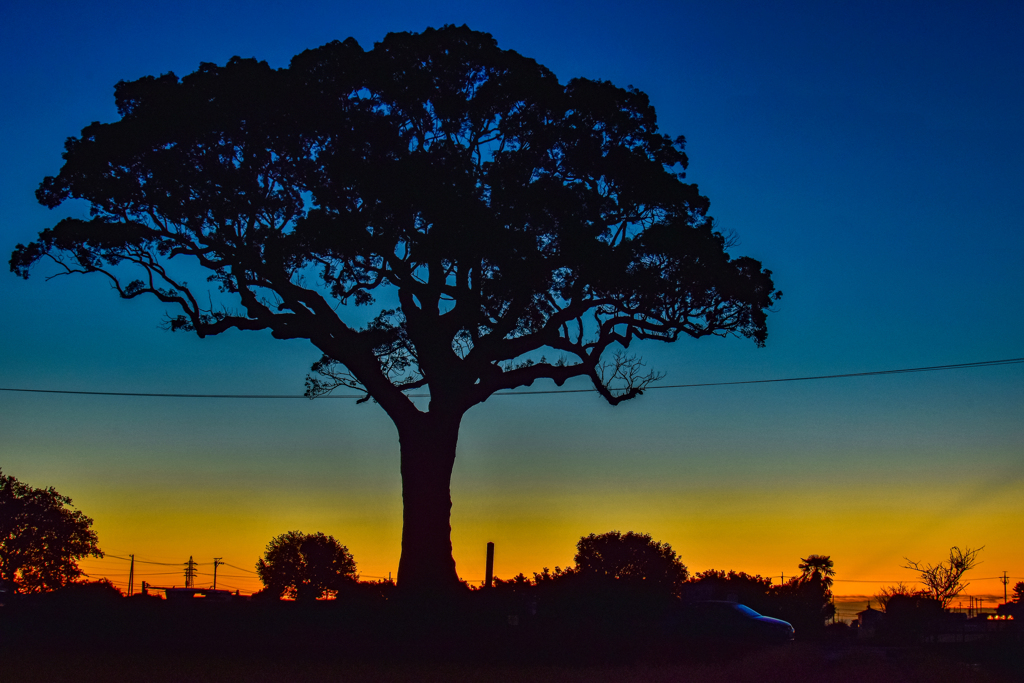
column 627, row 597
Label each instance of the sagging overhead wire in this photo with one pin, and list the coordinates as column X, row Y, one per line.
column 871, row 373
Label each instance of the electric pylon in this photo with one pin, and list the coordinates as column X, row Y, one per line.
column 190, row 573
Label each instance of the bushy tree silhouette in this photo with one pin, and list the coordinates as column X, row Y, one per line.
column 41, row 537
column 806, row 603
column 514, row 229
column 632, row 558
column 900, row 590
column 306, row 566
column 752, row 590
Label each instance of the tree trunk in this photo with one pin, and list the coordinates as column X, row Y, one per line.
column 428, row 454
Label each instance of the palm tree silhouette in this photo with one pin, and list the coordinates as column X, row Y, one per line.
column 817, row 566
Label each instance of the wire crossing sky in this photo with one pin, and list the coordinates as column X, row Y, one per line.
column 871, row 155
column 871, row 373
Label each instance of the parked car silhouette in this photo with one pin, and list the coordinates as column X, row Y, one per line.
column 724, row 621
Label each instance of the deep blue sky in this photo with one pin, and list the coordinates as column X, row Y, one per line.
column 870, row 154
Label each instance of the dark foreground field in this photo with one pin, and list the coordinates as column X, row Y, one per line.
column 801, row 662
column 130, row 640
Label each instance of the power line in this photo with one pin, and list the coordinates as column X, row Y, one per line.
column 931, row 368
column 140, row 574
column 164, row 564
column 915, row 580
column 230, row 576
column 871, row 373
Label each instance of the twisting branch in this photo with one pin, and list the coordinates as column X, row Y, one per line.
column 626, row 373
column 944, row 580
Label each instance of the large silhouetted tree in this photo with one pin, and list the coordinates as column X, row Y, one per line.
column 510, row 228
column 41, row 537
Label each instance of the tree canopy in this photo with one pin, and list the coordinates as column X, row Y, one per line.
column 509, row 229
column 630, row 557
column 306, row 566
column 509, row 212
column 41, row 537
column 820, row 567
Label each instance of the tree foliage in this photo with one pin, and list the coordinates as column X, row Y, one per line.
column 630, row 558
column 805, row 602
column 509, row 212
column 1018, row 592
column 944, row 581
column 752, row 590
column 306, row 566
column 900, row 590
column 41, row 537
column 820, row 567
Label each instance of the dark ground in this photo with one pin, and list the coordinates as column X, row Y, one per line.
column 136, row 640
column 801, row 662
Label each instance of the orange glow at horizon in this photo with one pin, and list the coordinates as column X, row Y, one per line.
column 868, row 536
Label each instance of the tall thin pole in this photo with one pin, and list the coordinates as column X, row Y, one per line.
column 216, row 563
column 489, row 575
column 1005, row 579
column 131, row 575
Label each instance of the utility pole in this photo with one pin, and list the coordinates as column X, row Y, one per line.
column 131, row 575
column 1005, row 579
column 190, row 573
column 216, row 563
column 489, row 574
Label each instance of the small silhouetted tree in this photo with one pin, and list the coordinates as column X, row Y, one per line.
column 804, row 602
column 41, row 537
column 1018, row 592
column 944, row 581
column 546, row 576
column 752, row 590
column 900, row 590
column 630, row 558
column 306, row 566
column 820, row 566
column 513, row 229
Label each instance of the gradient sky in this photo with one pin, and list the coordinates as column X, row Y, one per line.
column 870, row 154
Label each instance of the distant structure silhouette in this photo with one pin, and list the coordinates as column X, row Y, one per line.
column 523, row 229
